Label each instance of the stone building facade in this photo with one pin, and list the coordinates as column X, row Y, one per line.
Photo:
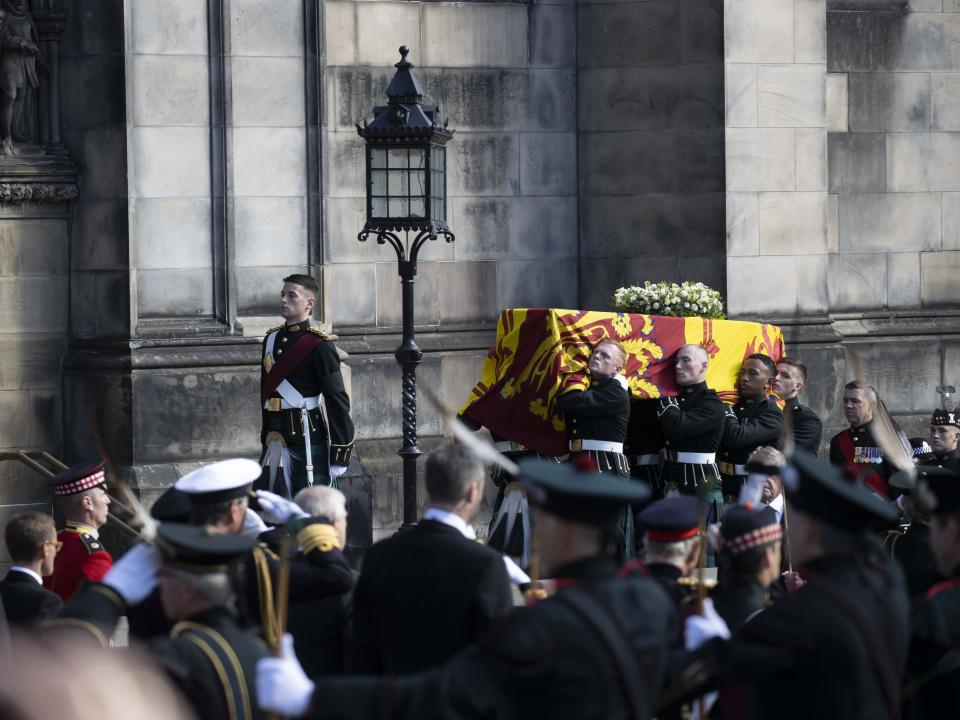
column 800, row 155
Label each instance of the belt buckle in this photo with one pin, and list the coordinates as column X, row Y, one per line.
column 576, row 445
column 273, row 405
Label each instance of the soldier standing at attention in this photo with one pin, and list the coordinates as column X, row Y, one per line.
column 791, row 379
column 81, row 494
column 300, row 364
column 855, row 450
column 944, row 433
column 754, row 421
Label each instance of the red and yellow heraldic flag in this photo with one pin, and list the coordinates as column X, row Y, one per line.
column 541, row 353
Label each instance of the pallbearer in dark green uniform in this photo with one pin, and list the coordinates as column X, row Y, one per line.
column 300, row 365
column 208, row 656
column 596, row 649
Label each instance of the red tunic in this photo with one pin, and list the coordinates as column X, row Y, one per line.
column 82, row 557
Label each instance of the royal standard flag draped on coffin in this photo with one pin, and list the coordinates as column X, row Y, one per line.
column 541, row 353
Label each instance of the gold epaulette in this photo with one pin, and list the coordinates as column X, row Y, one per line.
column 318, row 536
column 321, row 333
column 692, row 582
column 273, row 329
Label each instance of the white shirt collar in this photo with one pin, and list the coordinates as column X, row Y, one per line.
column 777, row 506
column 27, row 571
column 451, row 519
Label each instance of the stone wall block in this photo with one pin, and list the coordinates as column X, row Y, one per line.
column 270, row 231
column 743, row 224
column 99, row 302
column 171, row 233
column 475, row 35
column 904, row 387
column 485, row 100
column 468, row 292
column 45, row 421
column 812, row 296
column 600, row 277
column 483, row 164
column 857, row 281
column 267, row 91
column 544, row 227
column 810, row 31
column 175, row 27
column 857, row 162
column 791, row 96
column 269, row 161
column 709, row 270
column 938, row 278
column 340, row 32
column 867, row 41
column 460, row 373
column 812, row 159
column 930, row 41
column 916, row 162
column 553, row 40
column 15, row 420
column 426, row 295
column 168, row 90
column 104, row 153
column 945, row 88
column 98, row 29
column 345, row 218
column 833, row 223
column 629, row 34
column 551, row 105
column 701, row 31
column 891, row 102
column 889, row 222
column 950, row 204
column 184, row 292
column 33, row 247
column 483, row 226
column 376, row 410
column 382, row 27
column 257, row 289
column 837, row 102
column 903, row 280
column 353, row 296
column 170, row 161
column 700, row 161
column 649, row 98
column 348, row 164
column 760, row 159
column 33, row 304
column 628, row 163
column 758, row 31
column 759, row 285
column 100, row 230
column 96, row 90
column 272, row 28
column 548, row 164
column 741, row 86
column 536, row 283
column 793, row 223
column 30, row 361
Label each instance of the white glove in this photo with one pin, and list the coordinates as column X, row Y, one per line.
column 337, row 470
column 253, row 524
column 277, row 509
column 700, row 628
column 134, row 575
column 282, row 686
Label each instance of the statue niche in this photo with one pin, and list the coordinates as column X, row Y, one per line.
column 20, row 57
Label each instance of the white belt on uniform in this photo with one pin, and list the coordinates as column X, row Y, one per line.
column 691, row 458
column 311, row 403
column 579, row 445
column 648, row 459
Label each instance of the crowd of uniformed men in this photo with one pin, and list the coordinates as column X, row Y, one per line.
column 688, row 559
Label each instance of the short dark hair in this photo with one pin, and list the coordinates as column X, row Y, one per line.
column 211, row 514
column 766, row 360
column 450, row 470
column 307, row 282
column 794, row 364
column 871, row 392
column 745, row 565
column 26, row 533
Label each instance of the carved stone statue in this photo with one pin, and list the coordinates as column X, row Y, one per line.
column 19, row 54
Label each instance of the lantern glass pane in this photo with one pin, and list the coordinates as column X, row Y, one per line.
column 378, row 183
column 378, row 207
column 378, row 158
column 399, row 207
column 418, row 183
column 398, row 158
column 418, row 208
column 440, row 209
column 418, row 157
column 439, row 158
column 399, row 184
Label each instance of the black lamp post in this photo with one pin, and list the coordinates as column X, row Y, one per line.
column 406, row 193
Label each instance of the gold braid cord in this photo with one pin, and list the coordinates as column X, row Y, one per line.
column 318, row 536
column 268, row 614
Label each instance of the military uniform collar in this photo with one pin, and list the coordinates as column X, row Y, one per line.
column 753, row 400
column 694, row 389
column 664, row 571
column 83, row 529
column 861, row 428
column 297, row 327
column 952, row 455
column 587, row 571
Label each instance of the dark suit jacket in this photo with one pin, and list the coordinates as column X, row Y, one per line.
column 27, row 601
column 422, row 595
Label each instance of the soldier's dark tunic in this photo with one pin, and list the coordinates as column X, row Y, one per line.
column 317, row 374
column 208, row 656
column 911, row 549
column 936, row 632
column 856, row 451
column 807, row 426
column 755, row 422
column 836, row 648
column 599, row 414
column 644, row 443
column 738, row 600
column 949, row 460
column 539, row 662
